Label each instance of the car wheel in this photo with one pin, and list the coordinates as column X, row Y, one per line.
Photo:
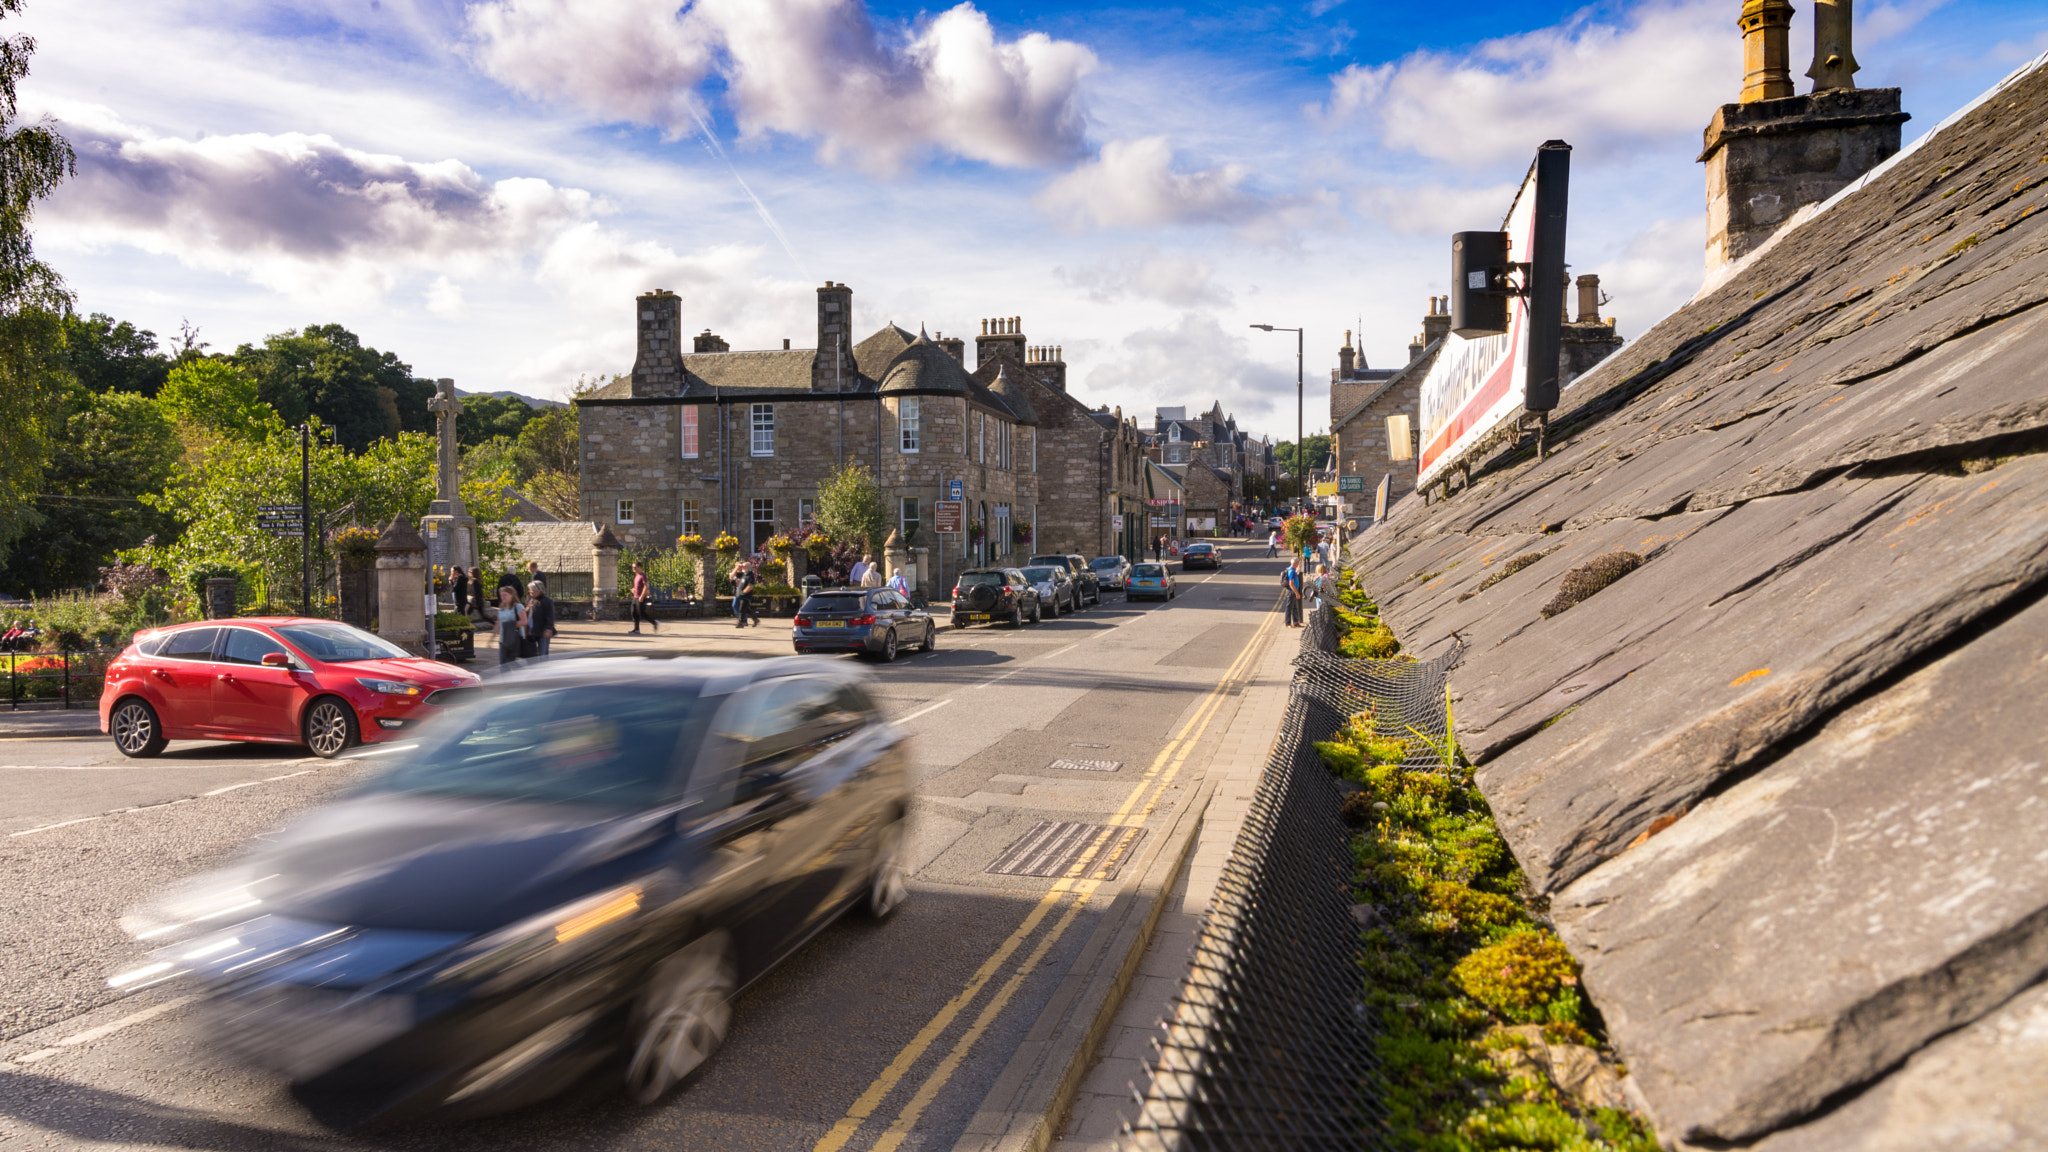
column 1037, row 614
column 890, row 882
column 1017, row 616
column 931, row 636
column 135, row 728
column 681, row 1018
column 330, row 727
column 888, row 652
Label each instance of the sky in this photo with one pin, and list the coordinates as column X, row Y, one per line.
column 483, row 187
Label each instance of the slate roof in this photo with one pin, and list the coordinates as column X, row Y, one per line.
column 1415, row 370
column 560, row 546
column 1786, row 784
column 1011, row 395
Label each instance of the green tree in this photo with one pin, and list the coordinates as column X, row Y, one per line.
column 325, row 370
column 109, row 355
column 550, row 455
column 110, row 451
column 217, row 396
column 851, row 508
column 34, row 159
column 1318, row 453
column 484, row 417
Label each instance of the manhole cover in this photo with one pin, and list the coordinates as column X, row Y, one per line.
column 1086, row 765
column 1068, row 851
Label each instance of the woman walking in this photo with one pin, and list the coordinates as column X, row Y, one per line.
column 643, row 601
column 511, row 626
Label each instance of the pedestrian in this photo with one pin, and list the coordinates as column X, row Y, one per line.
column 461, row 590
column 534, row 573
column 511, row 580
column 1158, row 546
column 1273, row 544
column 743, row 581
column 860, row 570
column 643, row 600
column 1323, row 589
column 1290, row 593
column 511, row 626
column 540, row 618
column 872, row 578
column 899, row 585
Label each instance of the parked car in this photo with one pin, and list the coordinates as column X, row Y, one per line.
column 582, row 867
column 1150, row 581
column 1084, row 576
column 1200, row 554
column 986, row 595
column 1110, row 571
column 1055, row 586
column 875, row 622
column 272, row 679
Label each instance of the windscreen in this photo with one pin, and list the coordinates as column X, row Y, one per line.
column 1105, row 561
column 339, row 643
column 1038, row 575
column 608, row 745
column 970, row 579
column 1148, row 570
column 832, row 603
column 1055, row 561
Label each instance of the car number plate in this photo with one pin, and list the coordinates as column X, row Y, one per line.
column 831, row 623
column 977, row 616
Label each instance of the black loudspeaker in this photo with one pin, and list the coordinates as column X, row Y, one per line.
column 1479, row 297
column 1546, row 274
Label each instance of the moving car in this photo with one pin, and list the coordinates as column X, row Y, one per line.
column 1200, row 554
column 987, row 595
column 1084, row 576
column 1110, row 571
column 1055, row 586
column 272, row 679
column 583, row 866
column 1150, row 580
column 871, row 621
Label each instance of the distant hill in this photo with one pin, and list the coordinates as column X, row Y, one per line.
column 507, row 394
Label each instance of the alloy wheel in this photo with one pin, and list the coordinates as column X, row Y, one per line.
column 327, row 728
column 135, row 729
column 889, row 647
column 682, row 1018
column 931, row 636
column 890, row 882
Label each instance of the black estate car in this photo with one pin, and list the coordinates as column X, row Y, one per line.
column 990, row 595
column 872, row 621
column 1084, row 576
column 582, row 865
column 1200, row 554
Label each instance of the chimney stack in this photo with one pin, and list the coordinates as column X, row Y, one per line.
column 1345, row 357
column 954, row 346
column 658, row 362
column 1437, row 324
column 1589, row 299
column 1001, row 338
column 706, row 342
column 832, row 366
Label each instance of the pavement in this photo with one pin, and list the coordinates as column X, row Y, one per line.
column 984, row 988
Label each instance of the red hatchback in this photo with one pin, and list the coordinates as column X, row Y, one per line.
column 274, row 679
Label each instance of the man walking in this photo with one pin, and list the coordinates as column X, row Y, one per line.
column 1158, row 546
column 460, row 586
column 743, row 581
column 1290, row 592
column 643, row 601
column 872, row 577
column 859, row 572
column 1273, row 544
column 540, row 618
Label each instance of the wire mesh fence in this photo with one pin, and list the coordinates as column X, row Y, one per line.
column 1268, row 1044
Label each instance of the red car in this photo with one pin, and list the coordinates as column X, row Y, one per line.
column 271, row 679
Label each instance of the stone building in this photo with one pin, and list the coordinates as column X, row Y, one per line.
column 1243, row 463
column 715, row 440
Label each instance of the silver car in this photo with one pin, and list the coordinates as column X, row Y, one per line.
column 1113, row 571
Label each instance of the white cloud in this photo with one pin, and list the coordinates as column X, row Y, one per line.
column 1650, row 79
column 1182, row 281
column 296, row 212
column 444, row 299
column 1195, row 361
column 1435, row 209
column 1656, row 273
column 816, row 69
column 1133, row 184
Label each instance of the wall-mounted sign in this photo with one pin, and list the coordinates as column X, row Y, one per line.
column 1116, row 522
column 946, row 515
column 1162, row 521
column 953, row 492
column 1350, row 483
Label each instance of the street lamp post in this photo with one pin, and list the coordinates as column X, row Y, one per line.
column 1300, row 449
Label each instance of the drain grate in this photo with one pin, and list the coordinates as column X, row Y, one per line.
column 1086, row 765
column 1068, row 851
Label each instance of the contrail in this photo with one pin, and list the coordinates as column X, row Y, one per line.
column 767, row 217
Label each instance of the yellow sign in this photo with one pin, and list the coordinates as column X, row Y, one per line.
column 1329, row 489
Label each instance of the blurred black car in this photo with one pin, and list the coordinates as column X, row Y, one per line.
column 993, row 595
column 1200, row 554
column 1056, row 586
column 1084, row 577
column 872, row 621
column 583, row 865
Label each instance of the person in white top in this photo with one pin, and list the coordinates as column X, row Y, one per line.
column 860, row 571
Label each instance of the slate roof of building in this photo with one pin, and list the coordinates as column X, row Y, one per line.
column 1784, row 784
column 559, row 546
column 1415, row 370
column 1011, row 395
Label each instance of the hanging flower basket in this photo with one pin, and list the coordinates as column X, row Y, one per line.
column 726, row 542
column 691, row 543
column 975, row 532
column 356, row 546
column 1022, row 532
column 818, row 547
column 781, row 545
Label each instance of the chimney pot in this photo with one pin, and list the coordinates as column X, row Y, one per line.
column 1834, row 65
column 1766, row 50
column 1589, row 298
column 785, row 343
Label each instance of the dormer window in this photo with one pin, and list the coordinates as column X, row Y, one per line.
column 1173, row 433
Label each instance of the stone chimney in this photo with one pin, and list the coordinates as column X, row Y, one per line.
column 1589, row 299
column 1346, row 357
column 1437, row 324
column 1001, row 339
column 658, row 364
column 1048, row 365
column 706, row 342
column 832, row 366
column 954, row 346
column 1773, row 153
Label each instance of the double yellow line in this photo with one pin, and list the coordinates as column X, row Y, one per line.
column 1149, row 789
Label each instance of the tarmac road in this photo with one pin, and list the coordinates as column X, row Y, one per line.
column 870, row 1037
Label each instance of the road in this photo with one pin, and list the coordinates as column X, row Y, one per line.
column 871, row 1037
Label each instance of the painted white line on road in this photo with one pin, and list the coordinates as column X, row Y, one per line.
column 33, row 1057
column 231, row 788
column 925, row 709
column 128, row 1021
column 47, row 827
column 288, row 775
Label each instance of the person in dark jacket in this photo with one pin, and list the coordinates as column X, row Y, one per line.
column 540, row 618
column 511, row 580
column 460, row 586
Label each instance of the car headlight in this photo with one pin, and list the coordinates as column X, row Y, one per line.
column 538, row 943
column 390, row 687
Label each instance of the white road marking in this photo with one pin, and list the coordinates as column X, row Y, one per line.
column 925, row 709
column 166, row 803
column 47, row 827
column 128, row 1021
column 231, row 788
column 32, row 1057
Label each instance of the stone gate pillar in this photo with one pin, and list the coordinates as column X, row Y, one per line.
column 604, row 575
column 895, row 557
column 402, row 586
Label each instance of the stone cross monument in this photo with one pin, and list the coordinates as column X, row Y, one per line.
column 449, row 529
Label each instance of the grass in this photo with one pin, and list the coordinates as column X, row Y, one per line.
column 1472, row 991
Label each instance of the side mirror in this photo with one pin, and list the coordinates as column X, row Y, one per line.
column 276, row 660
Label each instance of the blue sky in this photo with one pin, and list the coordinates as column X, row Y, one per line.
column 483, row 187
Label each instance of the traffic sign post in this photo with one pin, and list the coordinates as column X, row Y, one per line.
column 954, row 490
column 947, row 516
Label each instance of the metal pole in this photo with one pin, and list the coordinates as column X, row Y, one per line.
column 305, row 526
column 1300, row 443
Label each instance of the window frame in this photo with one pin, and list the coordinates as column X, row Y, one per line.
column 692, row 516
column 909, row 425
column 622, row 512
column 689, row 432
column 909, row 516
column 760, row 424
